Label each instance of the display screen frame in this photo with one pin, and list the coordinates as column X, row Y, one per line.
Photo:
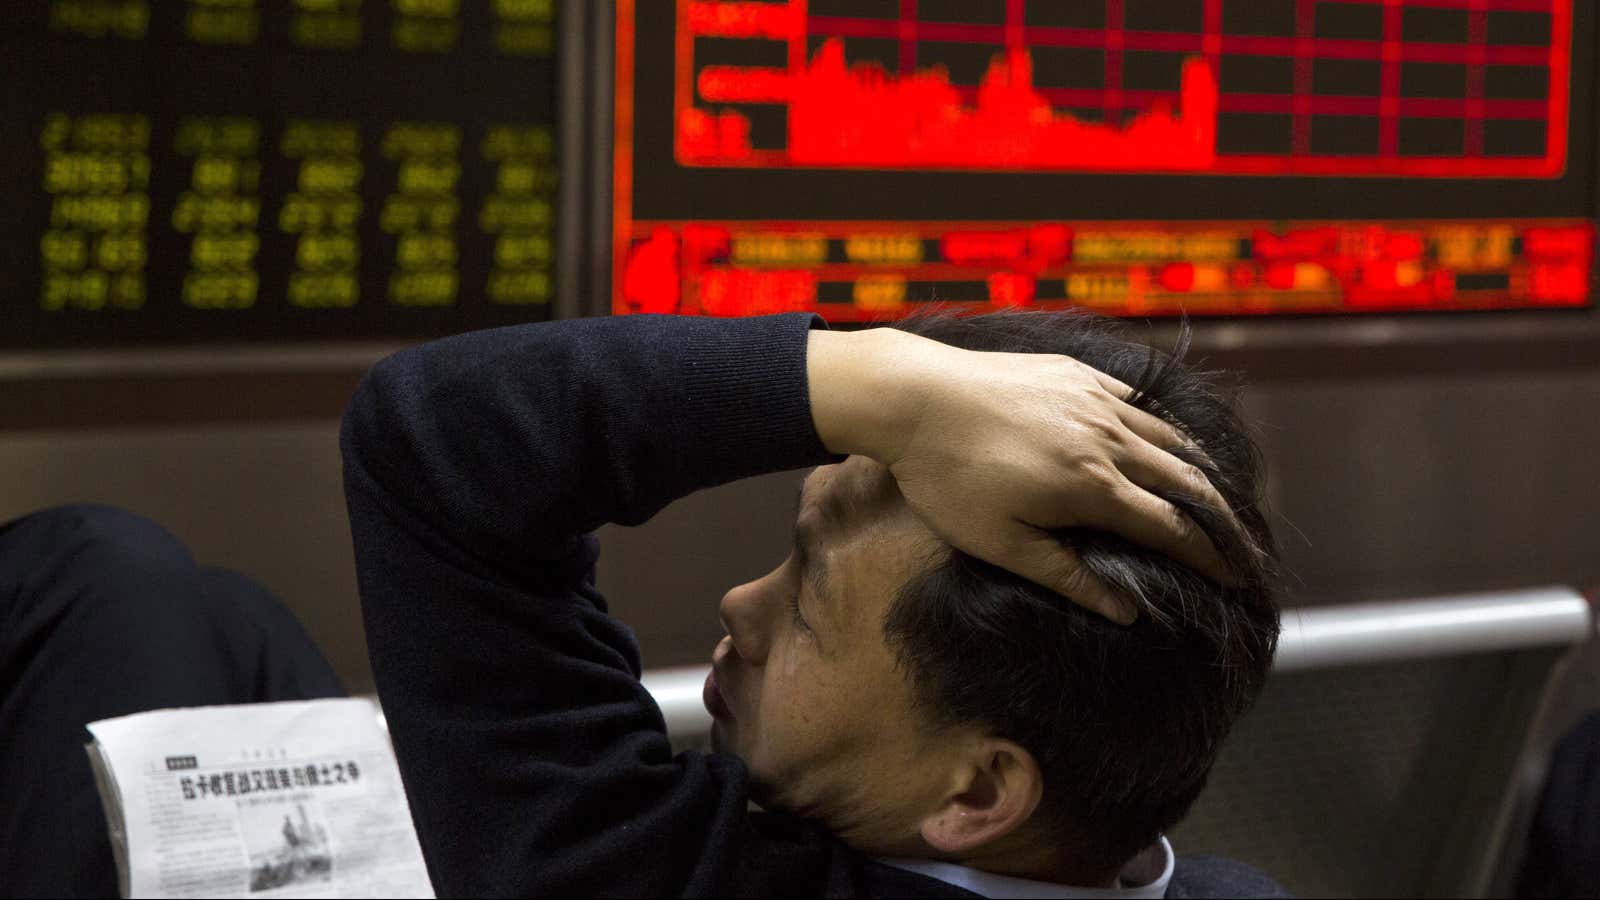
column 1530, row 328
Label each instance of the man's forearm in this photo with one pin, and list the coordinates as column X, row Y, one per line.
column 514, row 440
column 474, row 465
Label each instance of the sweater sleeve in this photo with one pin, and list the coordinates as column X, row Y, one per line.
column 475, row 468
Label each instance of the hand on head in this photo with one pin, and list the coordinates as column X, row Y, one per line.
column 996, row 452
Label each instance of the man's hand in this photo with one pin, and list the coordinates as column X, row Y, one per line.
column 994, row 450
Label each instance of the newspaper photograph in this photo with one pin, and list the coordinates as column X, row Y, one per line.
column 298, row 799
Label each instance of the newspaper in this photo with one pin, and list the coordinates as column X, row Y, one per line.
column 295, row 799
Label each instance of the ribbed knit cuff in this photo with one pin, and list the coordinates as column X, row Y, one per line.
column 747, row 396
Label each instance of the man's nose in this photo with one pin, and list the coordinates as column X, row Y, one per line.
column 745, row 614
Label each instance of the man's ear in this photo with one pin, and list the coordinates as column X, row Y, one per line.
column 995, row 793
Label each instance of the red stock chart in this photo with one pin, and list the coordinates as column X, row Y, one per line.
column 1140, row 158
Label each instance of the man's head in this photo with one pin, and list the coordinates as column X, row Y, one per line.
column 921, row 702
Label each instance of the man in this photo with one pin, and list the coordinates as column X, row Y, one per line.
column 917, row 719
column 909, row 696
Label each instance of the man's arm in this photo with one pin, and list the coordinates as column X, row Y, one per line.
column 475, row 466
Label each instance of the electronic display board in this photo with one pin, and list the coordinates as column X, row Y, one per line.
column 1137, row 157
column 181, row 171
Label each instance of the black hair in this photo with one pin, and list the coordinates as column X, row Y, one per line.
column 1124, row 722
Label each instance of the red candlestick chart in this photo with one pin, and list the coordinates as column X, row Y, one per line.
column 1311, row 101
column 862, row 158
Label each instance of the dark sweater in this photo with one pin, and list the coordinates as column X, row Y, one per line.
column 476, row 468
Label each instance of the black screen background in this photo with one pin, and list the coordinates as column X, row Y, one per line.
column 166, row 77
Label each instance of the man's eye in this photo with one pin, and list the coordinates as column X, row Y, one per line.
column 794, row 612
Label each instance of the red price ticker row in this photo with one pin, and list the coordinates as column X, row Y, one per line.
column 1122, row 268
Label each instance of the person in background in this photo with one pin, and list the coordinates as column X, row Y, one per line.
column 104, row 613
column 1562, row 857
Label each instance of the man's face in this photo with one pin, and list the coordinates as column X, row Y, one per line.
column 804, row 687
